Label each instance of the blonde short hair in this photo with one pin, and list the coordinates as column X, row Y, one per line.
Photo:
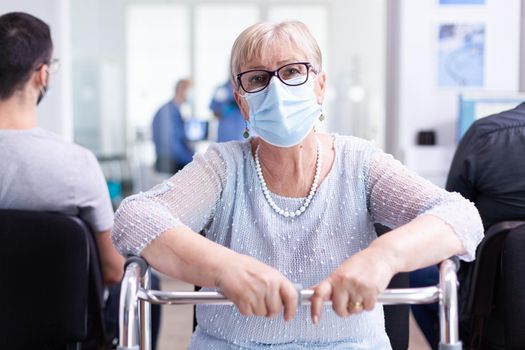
column 254, row 41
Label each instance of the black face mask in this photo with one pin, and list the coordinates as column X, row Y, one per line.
column 41, row 94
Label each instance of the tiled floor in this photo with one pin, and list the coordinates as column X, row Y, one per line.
column 177, row 320
column 176, row 325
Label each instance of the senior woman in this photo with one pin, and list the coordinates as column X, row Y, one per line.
column 253, row 218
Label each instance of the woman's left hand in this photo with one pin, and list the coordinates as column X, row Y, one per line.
column 354, row 285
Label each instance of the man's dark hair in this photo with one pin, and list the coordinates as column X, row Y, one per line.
column 25, row 44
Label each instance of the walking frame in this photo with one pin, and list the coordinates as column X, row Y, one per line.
column 136, row 298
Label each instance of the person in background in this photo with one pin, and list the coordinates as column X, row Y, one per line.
column 172, row 147
column 488, row 169
column 38, row 170
column 292, row 206
column 224, row 107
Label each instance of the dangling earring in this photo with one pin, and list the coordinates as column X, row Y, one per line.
column 321, row 117
column 246, row 132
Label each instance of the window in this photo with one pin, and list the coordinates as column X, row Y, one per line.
column 158, row 55
column 216, row 27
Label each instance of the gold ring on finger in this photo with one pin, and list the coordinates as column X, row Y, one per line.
column 357, row 305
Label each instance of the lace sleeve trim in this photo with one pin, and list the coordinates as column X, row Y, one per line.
column 188, row 198
column 397, row 195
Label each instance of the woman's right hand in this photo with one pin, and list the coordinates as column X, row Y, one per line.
column 256, row 288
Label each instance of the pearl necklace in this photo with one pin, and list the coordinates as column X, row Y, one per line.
column 306, row 201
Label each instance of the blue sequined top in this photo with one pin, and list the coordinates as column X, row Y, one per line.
column 219, row 195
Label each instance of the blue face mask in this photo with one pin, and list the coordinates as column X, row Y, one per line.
column 283, row 115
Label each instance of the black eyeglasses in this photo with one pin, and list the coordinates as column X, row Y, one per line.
column 292, row 74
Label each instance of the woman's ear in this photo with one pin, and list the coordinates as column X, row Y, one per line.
column 241, row 102
column 320, row 87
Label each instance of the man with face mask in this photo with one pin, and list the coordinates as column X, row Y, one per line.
column 38, row 170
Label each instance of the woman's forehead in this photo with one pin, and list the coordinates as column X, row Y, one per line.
column 273, row 56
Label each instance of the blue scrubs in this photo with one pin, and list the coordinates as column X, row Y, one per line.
column 173, row 149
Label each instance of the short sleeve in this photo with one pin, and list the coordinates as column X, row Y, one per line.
column 187, row 199
column 397, row 195
column 92, row 195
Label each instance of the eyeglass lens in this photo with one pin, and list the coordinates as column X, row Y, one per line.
column 54, row 65
column 291, row 74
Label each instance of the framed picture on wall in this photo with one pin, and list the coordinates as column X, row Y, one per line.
column 461, row 55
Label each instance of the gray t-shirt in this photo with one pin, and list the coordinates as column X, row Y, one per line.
column 40, row 171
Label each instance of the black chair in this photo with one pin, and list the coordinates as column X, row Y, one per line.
column 492, row 290
column 51, row 295
column 513, row 284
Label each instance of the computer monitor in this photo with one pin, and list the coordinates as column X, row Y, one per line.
column 476, row 105
column 196, row 129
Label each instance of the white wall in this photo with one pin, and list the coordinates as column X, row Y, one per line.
column 522, row 47
column 55, row 110
column 423, row 105
column 357, row 58
column 98, row 56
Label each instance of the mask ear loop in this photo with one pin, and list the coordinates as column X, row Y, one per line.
column 42, row 91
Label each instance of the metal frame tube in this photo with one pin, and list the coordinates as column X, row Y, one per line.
column 448, row 307
column 145, row 314
column 128, row 314
column 388, row 297
column 132, row 295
